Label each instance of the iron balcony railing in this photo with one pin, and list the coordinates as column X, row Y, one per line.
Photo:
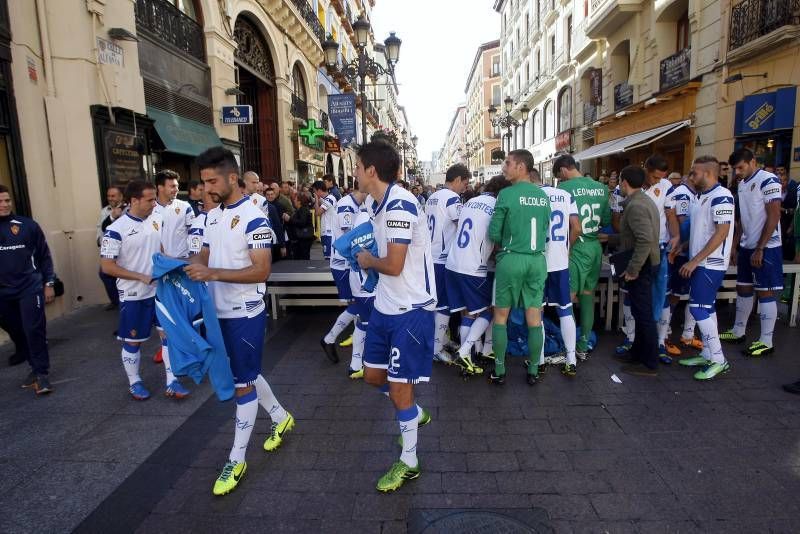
column 752, row 19
column 299, row 108
column 167, row 23
column 310, row 16
column 589, row 113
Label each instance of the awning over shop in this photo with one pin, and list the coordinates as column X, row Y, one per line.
column 183, row 136
column 629, row 142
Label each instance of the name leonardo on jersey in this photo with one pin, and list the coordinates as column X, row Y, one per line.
column 593, row 192
column 533, row 201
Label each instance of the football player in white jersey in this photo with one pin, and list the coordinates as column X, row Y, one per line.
column 398, row 351
column 344, row 214
column 176, row 214
column 680, row 200
column 324, row 208
column 710, row 240
column 656, row 187
column 235, row 261
column 126, row 253
column 442, row 210
column 468, row 277
column 197, row 231
column 565, row 228
column 757, row 252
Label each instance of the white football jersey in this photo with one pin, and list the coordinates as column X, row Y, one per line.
column 229, row 234
column 195, row 239
column 442, row 210
column 132, row 242
column 178, row 217
column 680, row 199
column 328, row 219
column 754, row 194
column 472, row 249
column 357, row 277
column 398, row 219
column 562, row 207
column 658, row 194
column 259, row 201
column 345, row 212
column 713, row 207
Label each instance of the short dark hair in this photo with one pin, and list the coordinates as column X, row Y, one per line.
column 523, row 156
column 634, row 175
column 218, row 158
column 564, row 161
column 459, row 170
column 383, row 157
column 329, row 177
column 4, row 189
column 535, row 175
column 496, row 184
column 319, row 184
column 163, row 176
column 136, row 189
column 118, row 187
column 194, row 184
column 656, row 162
column 742, row 154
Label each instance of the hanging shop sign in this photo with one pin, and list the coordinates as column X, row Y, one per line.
column 765, row 112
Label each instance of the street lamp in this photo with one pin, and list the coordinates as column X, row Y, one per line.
column 357, row 70
column 506, row 120
column 405, row 145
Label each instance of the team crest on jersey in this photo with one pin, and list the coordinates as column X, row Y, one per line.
column 234, row 222
column 155, row 225
column 14, row 229
column 177, row 211
column 657, row 192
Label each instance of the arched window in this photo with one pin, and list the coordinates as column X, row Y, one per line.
column 537, row 127
column 298, row 85
column 549, row 120
column 565, row 109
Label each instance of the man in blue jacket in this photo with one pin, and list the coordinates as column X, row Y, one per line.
column 26, row 283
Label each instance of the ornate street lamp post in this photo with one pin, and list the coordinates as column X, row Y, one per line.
column 357, row 70
column 506, row 121
column 404, row 145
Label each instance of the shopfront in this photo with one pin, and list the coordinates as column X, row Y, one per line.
column 764, row 123
column 662, row 125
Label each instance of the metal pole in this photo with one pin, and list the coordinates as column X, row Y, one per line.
column 363, row 113
column 404, row 160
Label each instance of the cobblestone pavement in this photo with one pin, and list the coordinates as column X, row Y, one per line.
column 569, row 455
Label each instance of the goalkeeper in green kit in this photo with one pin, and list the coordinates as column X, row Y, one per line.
column 586, row 255
column 519, row 229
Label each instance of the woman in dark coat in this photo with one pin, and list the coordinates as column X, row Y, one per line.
column 301, row 228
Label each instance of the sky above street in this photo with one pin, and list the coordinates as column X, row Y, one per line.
column 440, row 39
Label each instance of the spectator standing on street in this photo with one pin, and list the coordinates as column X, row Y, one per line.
column 196, row 196
column 301, row 228
column 277, row 218
column 519, row 228
column 639, row 229
column 282, row 200
column 27, row 282
column 788, row 206
column 108, row 214
column 330, row 184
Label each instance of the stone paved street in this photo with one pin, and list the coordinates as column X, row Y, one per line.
column 583, row 455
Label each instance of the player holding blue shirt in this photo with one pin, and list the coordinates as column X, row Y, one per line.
column 758, row 256
column 236, row 261
column 399, row 344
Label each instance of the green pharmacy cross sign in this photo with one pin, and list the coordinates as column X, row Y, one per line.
column 311, row 132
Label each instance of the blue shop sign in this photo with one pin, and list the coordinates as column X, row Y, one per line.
column 237, row 114
column 765, row 112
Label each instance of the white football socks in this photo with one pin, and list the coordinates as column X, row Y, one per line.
column 344, row 319
column 744, row 306
column 268, row 401
column 246, row 412
column 130, row 360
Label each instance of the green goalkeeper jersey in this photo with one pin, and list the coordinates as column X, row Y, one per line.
column 592, row 199
column 521, row 219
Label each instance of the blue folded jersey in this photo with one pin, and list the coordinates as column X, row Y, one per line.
column 359, row 238
column 187, row 314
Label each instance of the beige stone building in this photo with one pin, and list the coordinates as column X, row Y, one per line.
column 482, row 90
column 95, row 92
column 757, row 100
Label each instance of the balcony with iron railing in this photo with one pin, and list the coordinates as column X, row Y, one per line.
column 753, row 19
column 164, row 22
column 559, row 62
column 310, row 17
column 581, row 44
column 299, row 20
column 298, row 108
column 590, row 113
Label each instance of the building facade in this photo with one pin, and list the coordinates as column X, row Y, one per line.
column 452, row 150
column 611, row 81
column 107, row 91
column 483, row 89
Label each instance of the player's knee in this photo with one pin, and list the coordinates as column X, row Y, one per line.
column 698, row 313
column 374, row 377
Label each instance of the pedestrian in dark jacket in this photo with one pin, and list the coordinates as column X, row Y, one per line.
column 301, row 228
